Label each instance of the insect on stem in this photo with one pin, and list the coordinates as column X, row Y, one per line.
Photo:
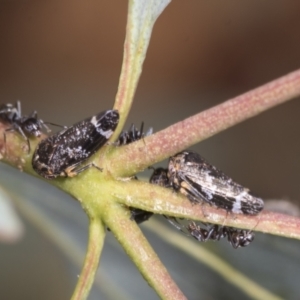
column 63, row 153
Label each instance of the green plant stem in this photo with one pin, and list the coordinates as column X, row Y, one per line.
column 137, row 247
column 141, row 18
column 194, row 129
column 152, row 198
column 95, row 245
column 63, row 241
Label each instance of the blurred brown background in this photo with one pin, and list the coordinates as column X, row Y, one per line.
column 63, row 59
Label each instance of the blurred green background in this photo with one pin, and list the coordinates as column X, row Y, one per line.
column 63, row 59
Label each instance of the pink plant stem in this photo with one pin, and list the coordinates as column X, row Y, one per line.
column 205, row 124
column 87, row 276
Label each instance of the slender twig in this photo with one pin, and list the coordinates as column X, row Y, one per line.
column 65, row 242
column 137, row 247
column 140, row 21
column 152, row 198
column 194, row 129
column 95, row 245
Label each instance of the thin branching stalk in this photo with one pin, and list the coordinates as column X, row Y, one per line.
column 137, row 247
column 151, row 198
column 205, row 124
column 141, row 18
column 95, row 245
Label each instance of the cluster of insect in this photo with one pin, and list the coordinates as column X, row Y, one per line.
column 63, row 155
column 191, row 175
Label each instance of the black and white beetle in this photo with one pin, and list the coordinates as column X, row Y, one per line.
column 63, row 153
column 193, row 176
column 26, row 126
column 235, row 236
